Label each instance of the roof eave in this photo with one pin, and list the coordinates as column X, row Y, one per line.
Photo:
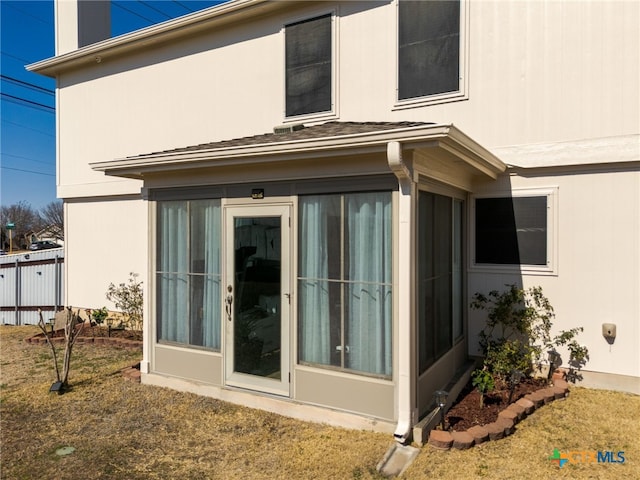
column 146, row 37
column 445, row 137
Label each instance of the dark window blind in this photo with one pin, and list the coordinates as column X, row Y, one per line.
column 511, row 231
column 308, row 66
column 429, row 42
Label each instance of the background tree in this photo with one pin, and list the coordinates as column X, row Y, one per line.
column 26, row 220
column 52, row 215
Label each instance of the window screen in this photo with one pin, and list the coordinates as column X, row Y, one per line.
column 511, row 231
column 308, row 66
column 439, row 295
column 429, row 42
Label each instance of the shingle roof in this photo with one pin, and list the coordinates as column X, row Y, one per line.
column 329, row 129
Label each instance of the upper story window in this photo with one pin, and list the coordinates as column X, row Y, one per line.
column 308, row 52
column 429, row 49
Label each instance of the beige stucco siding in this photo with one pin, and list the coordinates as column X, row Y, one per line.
column 106, row 240
column 597, row 277
column 538, row 72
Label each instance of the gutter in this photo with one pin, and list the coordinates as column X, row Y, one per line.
column 406, row 410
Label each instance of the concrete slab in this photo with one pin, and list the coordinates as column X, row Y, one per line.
column 397, row 460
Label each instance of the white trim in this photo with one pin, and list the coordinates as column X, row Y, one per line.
column 618, row 149
column 145, row 38
column 445, row 138
column 232, row 377
column 552, row 233
column 462, row 93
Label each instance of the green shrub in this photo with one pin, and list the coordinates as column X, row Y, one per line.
column 517, row 332
column 483, row 381
column 99, row 315
column 127, row 297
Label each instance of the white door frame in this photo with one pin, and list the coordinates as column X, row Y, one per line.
column 278, row 386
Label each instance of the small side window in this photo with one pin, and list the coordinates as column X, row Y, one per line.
column 512, row 231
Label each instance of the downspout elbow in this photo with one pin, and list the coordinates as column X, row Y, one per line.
column 396, row 162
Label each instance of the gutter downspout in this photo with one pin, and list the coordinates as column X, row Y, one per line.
column 405, row 386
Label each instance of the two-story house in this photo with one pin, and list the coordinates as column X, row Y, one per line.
column 315, row 190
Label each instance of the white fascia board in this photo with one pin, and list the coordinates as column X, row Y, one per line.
column 145, row 37
column 593, row 151
column 446, row 137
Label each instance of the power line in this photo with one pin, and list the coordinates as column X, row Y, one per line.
column 26, row 158
column 183, row 6
column 28, row 128
column 28, row 103
column 31, row 86
column 132, row 12
column 154, row 8
column 28, row 171
column 28, row 14
column 15, row 57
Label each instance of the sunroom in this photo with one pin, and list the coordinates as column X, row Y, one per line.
column 318, row 272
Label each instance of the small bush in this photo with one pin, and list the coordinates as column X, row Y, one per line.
column 127, row 297
column 517, row 333
column 99, row 315
column 483, row 381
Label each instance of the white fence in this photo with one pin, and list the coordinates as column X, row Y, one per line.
column 30, row 281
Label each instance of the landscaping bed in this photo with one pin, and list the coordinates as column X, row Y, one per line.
column 466, row 412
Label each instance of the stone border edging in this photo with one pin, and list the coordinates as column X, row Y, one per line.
column 115, row 341
column 132, row 373
column 504, row 424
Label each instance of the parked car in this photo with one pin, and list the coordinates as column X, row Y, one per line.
column 43, row 245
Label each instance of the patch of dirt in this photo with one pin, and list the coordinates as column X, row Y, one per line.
column 466, row 412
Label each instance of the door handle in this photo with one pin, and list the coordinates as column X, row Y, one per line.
column 229, row 302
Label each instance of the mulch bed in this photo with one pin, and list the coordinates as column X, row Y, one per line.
column 466, row 412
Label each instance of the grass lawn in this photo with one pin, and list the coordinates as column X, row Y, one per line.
column 124, row 430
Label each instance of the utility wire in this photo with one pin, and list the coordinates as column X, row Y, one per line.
column 49, row 134
column 28, row 171
column 45, row 162
column 183, row 6
column 155, row 9
column 132, row 12
column 27, row 14
column 17, row 58
column 29, row 103
column 31, row 86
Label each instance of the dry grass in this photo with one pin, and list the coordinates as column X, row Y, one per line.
column 123, row 430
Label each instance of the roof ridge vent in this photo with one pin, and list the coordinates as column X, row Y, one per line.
column 281, row 129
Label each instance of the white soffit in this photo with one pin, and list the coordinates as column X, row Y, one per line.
column 620, row 149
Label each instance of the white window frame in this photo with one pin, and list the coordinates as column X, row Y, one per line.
column 462, row 93
column 551, row 268
column 331, row 114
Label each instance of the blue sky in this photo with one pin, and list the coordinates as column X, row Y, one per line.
column 27, row 108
